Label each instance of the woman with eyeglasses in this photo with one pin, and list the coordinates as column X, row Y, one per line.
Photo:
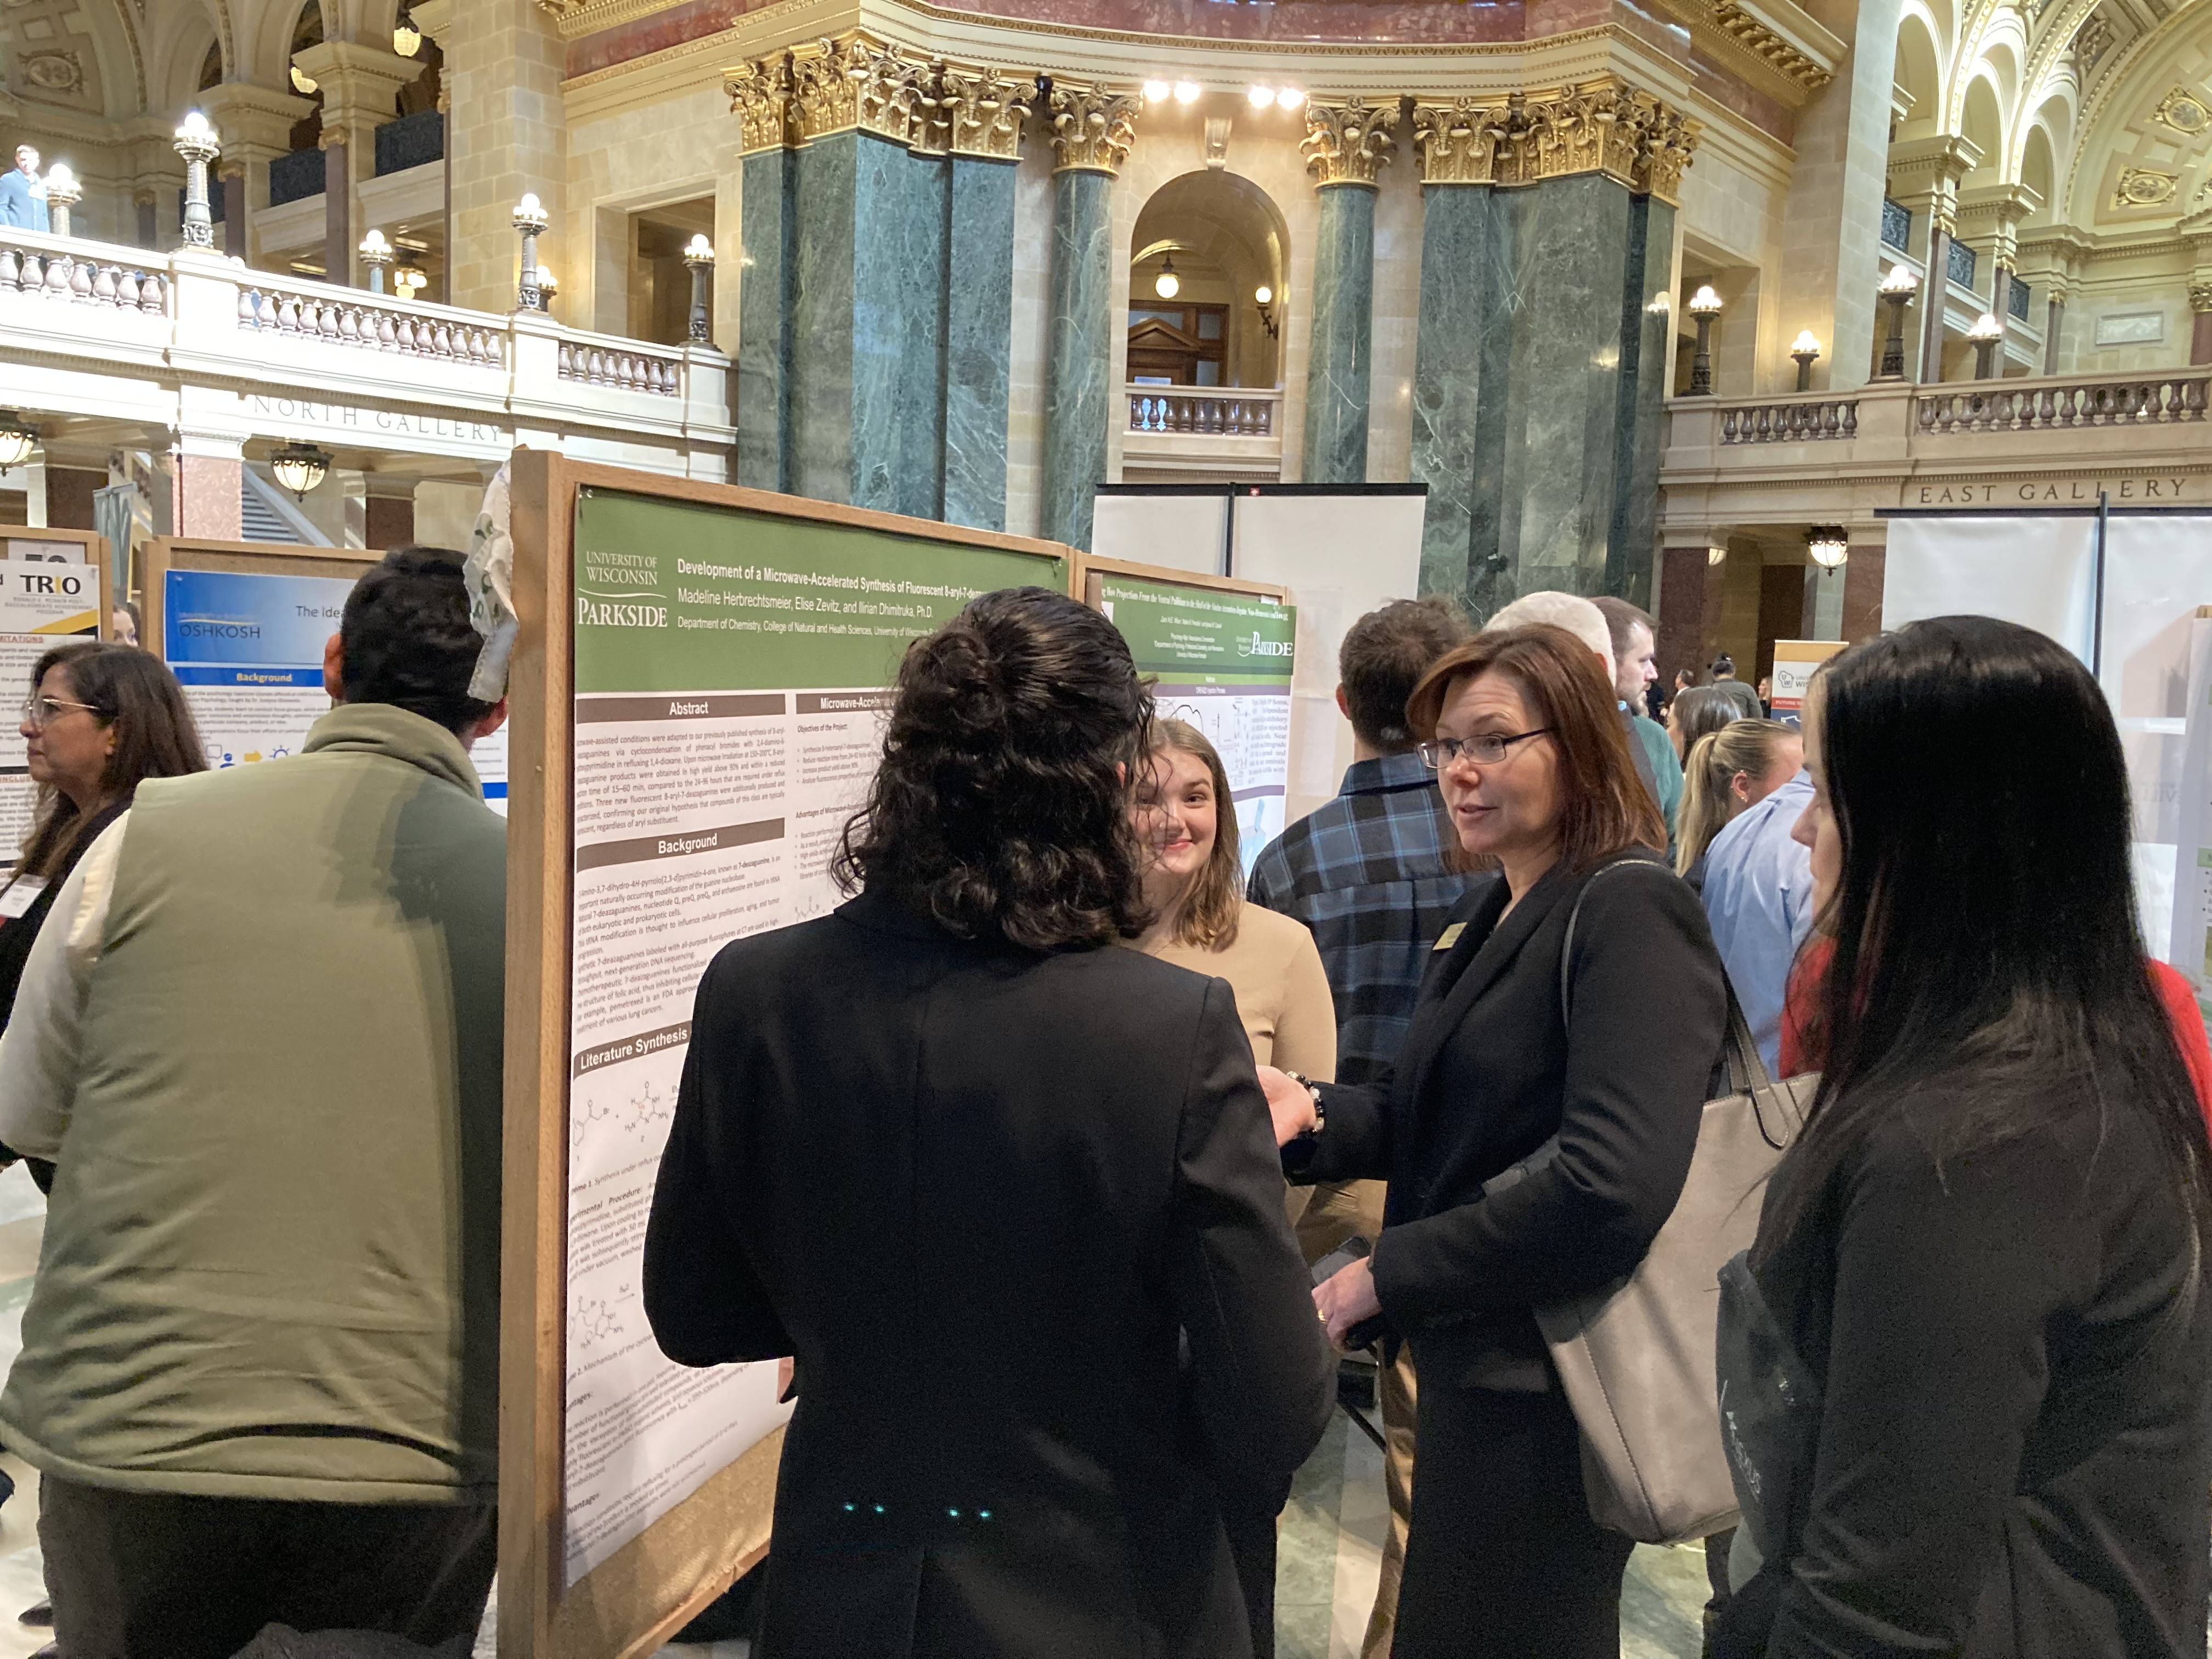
column 1502, row 1559
column 100, row 721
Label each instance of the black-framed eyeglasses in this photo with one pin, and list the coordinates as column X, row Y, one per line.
column 1487, row 749
column 43, row 712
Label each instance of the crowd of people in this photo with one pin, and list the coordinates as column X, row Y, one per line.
column 1064, row 1161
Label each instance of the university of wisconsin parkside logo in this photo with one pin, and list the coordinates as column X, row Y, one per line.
column 620, row 590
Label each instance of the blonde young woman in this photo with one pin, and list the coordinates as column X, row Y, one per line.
column 1727, row 771
column 1194, row 887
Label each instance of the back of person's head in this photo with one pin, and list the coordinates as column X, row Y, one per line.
column 1989, row 977
column 1001, row 806
column 1715, row 758
column 407, row 641
column 1383, row 659
column 1702, row 709
column 1723, row 666
column 1576, row 615
column 1216, row 899
column 1604, row 806
column 132, row 694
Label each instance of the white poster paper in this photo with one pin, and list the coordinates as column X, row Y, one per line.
column 2031, row 570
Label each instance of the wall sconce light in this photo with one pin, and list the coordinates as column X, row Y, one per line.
column 199, row 145
column 300, row 468
column 1987, row 334
column 1830, row 544
column 1187, row 92
column 63, row 193
column 1155, row 91
column 700, row 257
column 376, row 253
column 406, row 39
column 1264, row 298
column 1714, row 557
column 1806, row 351
column 530, row 221
column 409, row 281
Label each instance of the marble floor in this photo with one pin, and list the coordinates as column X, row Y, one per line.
column 1332, row 1536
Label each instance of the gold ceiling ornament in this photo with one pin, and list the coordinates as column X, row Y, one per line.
column 760, row 97
column 2185, row 112
column 1348, row 143
column 853, row 81
column 984, row 111
column 2143, row 187
column 2200, row 297
column 1092, row 127
column 1603, row 125
column 1747, row 44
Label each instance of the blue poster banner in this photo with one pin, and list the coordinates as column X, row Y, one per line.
column 227, row 628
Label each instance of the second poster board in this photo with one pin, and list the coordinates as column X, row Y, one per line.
column 699, row 688
column 1223, row 652
column 243, row 626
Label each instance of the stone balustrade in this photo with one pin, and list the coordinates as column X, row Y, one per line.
column 1216, row 411
column 1790, row 419
column 2072, row 401
column 2025, row 441
column 191, row 342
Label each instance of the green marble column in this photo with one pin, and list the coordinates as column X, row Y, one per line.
column 1646, row 368
column 1079, row 361
column 978, row 342
column 1340, row 358
column 1456, row 237
column 867, row 359
column 766, row 232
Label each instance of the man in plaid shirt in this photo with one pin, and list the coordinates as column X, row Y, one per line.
column 1371, row 873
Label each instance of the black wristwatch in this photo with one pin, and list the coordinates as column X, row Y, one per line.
column 1321, row 1108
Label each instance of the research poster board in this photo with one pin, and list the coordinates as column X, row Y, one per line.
column 53, row 588
column 243, row 626
column 1342, row 550
column 2036, row 569
column 698, row 690
column 2189, row 943
column 1795, row 662
column 1182, row 527
column 1224, row 654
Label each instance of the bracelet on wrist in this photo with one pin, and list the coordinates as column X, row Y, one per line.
column 1313, row 1092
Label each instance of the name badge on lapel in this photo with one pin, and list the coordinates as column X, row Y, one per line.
column 22, row 894
column 1450, row 936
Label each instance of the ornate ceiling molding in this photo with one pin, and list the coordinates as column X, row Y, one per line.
column 1787, row 65
column 1349, row 142
column 578, row 18
column 1604, row 126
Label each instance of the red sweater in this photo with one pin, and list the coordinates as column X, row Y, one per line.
column 2174, row 991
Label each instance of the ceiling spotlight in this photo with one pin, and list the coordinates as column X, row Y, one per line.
column 1187, row 92
column 303, row 85
column 1289, row 98
column 1261, row 97
column 300, row 467
column 1167, row 284
column 1155, row 91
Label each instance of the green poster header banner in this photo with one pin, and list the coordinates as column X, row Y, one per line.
column 679, row 596
column 1201, row 635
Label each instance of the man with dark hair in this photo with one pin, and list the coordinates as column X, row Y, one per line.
column 259, row 1368
column 1634, row 673
column 1373, row 873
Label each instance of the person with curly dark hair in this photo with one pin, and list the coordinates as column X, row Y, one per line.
column 1010, row 1197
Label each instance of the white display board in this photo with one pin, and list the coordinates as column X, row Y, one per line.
column 2189, row 919
column 40, row 609
column 1182, row 529
column 2036, row 571
column 1341, row 554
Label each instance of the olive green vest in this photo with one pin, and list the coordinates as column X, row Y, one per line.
column 271, row 1259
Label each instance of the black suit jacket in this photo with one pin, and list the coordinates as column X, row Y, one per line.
column 979, row 1192
column 1489, row 1072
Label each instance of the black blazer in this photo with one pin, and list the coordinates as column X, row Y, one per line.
column 1488, row 1072
column 979, row 1192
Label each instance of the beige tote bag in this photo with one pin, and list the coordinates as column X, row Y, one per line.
column 1636, row 1358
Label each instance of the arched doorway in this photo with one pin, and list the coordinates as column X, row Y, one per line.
column 1206, row 271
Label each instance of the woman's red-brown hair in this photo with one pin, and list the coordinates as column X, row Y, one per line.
column 1604, row 806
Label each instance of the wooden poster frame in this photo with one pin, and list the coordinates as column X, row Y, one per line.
column 166, row 553
column 628, row 1606
column 95, row 555
column 1087, row 567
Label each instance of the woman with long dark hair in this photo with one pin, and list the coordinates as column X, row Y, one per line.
column 100, row 721
column 1966, row 1364
column 989, row 1180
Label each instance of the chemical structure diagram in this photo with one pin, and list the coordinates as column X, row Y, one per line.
column 596, row 1320
column 644, row 1111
